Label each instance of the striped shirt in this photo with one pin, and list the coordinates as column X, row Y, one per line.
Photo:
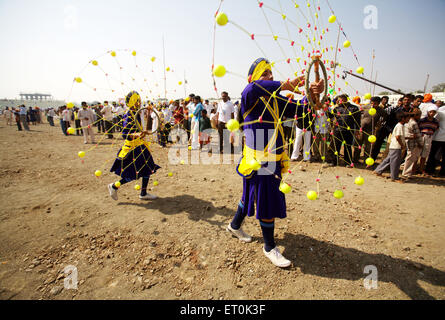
column 413, row 131
column 428, row 127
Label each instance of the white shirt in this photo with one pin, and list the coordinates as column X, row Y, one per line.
column 399, row 130
column 208, row 108
column 155, row 120
column 439, row 135
column 168, row 116
column 191, row 106
column 51, row 113
column 107, row 112
column 322, row 122
column 225, row 111
column 66, row 115
column 88, row 113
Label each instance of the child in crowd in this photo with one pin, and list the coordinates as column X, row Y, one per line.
column 204, row 124
column 414, row 143
column 428, row 127
column 394, row 158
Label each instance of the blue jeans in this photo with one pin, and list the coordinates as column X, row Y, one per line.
column 63, row 126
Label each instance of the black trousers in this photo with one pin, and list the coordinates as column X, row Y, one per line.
column 108, row 128
column 381, row 136
column 79, row 130
column 431, row 164
column 224, row 137
column 339, row 137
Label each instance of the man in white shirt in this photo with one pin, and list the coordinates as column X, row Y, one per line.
column 224, row 113
column 427, row 102
column 107, row 112
column 86, row 117
column 50, row 117
column 66, row 118
column 437, row 144
column 208, row 107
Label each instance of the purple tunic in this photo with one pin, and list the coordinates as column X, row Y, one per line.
column 262, row 187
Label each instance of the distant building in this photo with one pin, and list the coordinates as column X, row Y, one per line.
column 41, row 100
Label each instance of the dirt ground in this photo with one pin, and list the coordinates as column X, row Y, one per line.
column 56, row 213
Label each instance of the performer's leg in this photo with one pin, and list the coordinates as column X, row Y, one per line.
column 239, row 217
column 144, row 186
column 268, row 228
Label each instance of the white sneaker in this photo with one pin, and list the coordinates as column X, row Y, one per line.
column 277, row 258
column 148, row 197
column 112, row 191
column 240, row 234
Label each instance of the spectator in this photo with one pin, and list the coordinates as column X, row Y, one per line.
column 224, row 113
column 428, row 127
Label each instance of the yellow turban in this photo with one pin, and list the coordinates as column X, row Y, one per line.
column 257, row 69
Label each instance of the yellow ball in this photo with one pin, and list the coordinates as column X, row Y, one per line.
column 372, row 139
column 219, row 71
column 372, row 111
column 232, row 125
column 137, row 187
column 347, row 44
column 332, row 19
column 180, row 83
column 368, row 96
column 360, row 70
column 156, row 183
column 359, row 181
column 312, row 195
column 167, row 69
column 71, row 130
column 153, row 59
column 134, row 53
column 117, row 184
column 182, row 162
column 285, row 188
column 190, row 148
column 370, row 161
column 98, row 173
column 338, row 194
column 254, row 165
column 70, row 105
column 113, row 53
column 81, row 154
column 170, row 174
column 78, row 80
column 94, row 63
column 222, row 19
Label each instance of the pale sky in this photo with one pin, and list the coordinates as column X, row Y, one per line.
column 46, row 43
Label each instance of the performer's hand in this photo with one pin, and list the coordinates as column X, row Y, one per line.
column 317, row 87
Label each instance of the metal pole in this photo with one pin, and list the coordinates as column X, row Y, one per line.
column 375, row 83
column 426, row 83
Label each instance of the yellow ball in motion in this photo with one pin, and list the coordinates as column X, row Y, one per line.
column 170, row 174
column 372, row 111
column 156, row 183
column 117, row 184
column 285, row 188
column 368, row 96
column 134, row 53
column 222, row 19
column 338, row 194
column 137, row 187
column 70, row 105
column 372, row 139
column 98, row 173
column 113, row 53
column 94, row 63
column 332, row 19
column 359, row 181
column 78, row 80
column 370, row 161
column 81, row 154
column 71, row 130
column 347, row 44
column 233, row 125
column 219, row 71
column 254, row 165
column 312, row 195
column 360, row 70
column 153, row 59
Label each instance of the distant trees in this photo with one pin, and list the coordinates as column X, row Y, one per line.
column 439, row 87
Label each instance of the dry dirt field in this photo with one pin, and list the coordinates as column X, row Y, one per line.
column 55, row 213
